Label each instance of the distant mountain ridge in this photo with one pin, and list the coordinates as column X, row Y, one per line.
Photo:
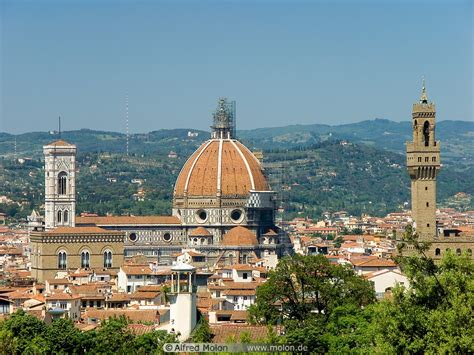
column 456, row 136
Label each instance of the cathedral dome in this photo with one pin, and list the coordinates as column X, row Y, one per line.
column 220, row 167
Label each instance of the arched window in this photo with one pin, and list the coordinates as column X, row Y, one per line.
column 458, row 251
column 62, row 183
column 65, row 216
column 85, row 259
column 60, row 216
column 469, row 252
column 426, row 133
column 62, row 260
column 107, row 258
column 438, row 252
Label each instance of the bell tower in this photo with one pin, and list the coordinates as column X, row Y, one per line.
column 60, row 184
column 423, row 163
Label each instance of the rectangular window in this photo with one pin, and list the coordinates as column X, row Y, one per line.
column 427, row 204
column 244, row 276
column 427, row 159
column 433, row 159
column 419, row 159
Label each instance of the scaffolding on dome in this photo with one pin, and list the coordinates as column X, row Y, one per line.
column 224, row 119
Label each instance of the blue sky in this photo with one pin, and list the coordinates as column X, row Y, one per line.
column 284, row 62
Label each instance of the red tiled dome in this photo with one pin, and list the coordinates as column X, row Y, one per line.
column 239, row 236
column 224, row 165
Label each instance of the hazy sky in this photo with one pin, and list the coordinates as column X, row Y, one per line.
column 284, row 62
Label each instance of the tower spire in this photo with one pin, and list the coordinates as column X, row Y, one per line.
column 59, row 126
column 424, row 95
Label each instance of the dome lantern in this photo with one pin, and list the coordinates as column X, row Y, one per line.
column 223, row 126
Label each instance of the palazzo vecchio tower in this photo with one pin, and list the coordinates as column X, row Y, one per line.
column 423, row 162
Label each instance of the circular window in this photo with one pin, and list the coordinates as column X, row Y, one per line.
column 201, row 216
column 236, row 215
column 167, row 237
column 133, row 237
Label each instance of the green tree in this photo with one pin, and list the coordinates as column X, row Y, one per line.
column 202, row 333
column 112, row 337
column 63, row 336
column 302, row 286
column 152, row 343
column 23, row 328
column 435, row 315
column 302, row 294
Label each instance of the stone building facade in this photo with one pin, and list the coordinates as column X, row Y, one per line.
column 423, row 163
column 58, row 245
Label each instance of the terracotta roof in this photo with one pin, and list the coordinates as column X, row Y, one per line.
column 61, row 297
column 19, row 295
column 200, row 232
column 239, row 236
column 118, row 297
column 59, row 282
column 137, row 270
column 222, row 332
column 231, row 285
column 239, row 292
column 127, row 220
column 374, row 263
column 80, row 231
column 61, row 143
column 371, row 275
column 150, row 288
column 242, row 267
column 271, row 233
column 238, row 315
column 235, row 171
column 135, row 315
column 140, row 329
column 139, row 295
column 89, row 289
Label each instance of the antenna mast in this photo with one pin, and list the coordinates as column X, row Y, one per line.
column 126, row 123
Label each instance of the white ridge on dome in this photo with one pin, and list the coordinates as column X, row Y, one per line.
column 246, row 164
column 194, row 163
column 219, row 166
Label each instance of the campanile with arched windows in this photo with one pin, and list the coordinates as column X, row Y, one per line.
column 60, row 184
column 423, row 162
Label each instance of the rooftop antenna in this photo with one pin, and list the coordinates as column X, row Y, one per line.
column 59, row 126
column 126, row 122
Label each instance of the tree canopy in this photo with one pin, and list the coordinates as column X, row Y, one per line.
column 24, row 334
column 330, row 309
